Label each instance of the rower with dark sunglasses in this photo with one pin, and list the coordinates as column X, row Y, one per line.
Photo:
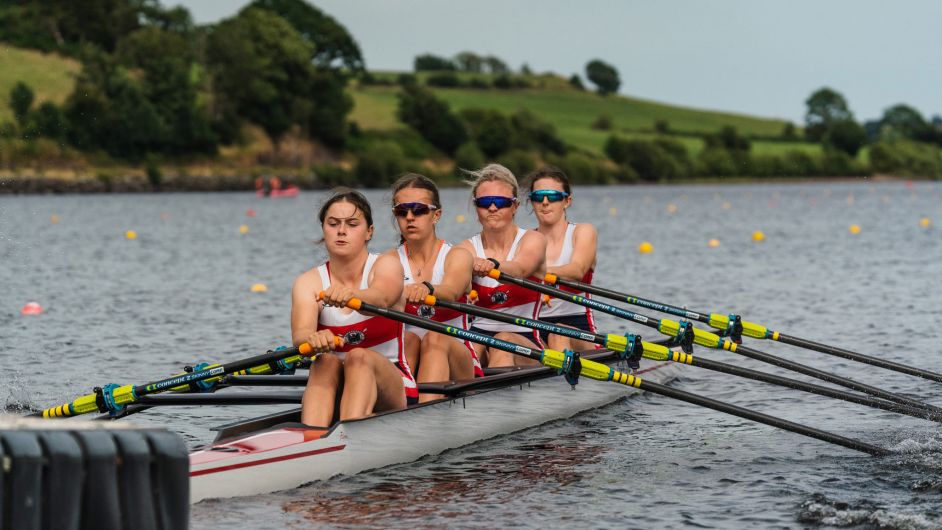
column 515, row 251
column 570, row 253
column 431, row 266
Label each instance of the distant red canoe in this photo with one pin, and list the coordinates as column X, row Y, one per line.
column 290, row 191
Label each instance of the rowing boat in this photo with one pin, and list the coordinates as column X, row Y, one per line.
column 277, row 452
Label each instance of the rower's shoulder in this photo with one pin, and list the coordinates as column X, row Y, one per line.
column 533, row 236
column 309, row 279
column 388, row 260
column 585, row 230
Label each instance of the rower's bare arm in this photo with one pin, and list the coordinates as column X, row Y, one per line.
column 385, row 283
column 530, row 257
column 584, row 246
column 304, row 306
column 457, row 278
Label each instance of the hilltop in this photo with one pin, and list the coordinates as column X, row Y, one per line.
column 51, row 76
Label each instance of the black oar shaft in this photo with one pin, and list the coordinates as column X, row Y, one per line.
column 833, row 378
column 697, row 361
column 812, row 388
column 625, row 379
column 859, row 357
column 725, row 344
column 763, row 418
column 780, row 337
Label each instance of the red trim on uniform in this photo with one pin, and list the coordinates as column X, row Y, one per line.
column 267, row 460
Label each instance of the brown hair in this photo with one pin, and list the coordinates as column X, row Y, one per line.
column 491, row 173
column 347, row 195
column 549, row 172
column 415, row 180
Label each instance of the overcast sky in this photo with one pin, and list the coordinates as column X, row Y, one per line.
column 749, row 56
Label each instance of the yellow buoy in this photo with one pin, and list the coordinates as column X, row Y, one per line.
column 671, row 208
column 645, row 248
column 259, row 288
column 713, row 243
column 925, row 222
column 130, row 234
column 54, row 219
column 459, row 218
column 727, row 205
column 244, row 229
column 854, row 229
column 613, row 211
column 758, row 236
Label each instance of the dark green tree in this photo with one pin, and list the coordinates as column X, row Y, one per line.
column 493, row 134
column 576, row 82
column 495, row 66
column 261, row 71
column 431, row 117
column 727, row 138
column 50, row 121
column 433, row 63
column 603, row 75
column 21, row 100
column 846, row 136
column 825, row 107
column 333, row 45
column 904, row 120
column 469, row 62
column 532, row 132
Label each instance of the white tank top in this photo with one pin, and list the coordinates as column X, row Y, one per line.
column 449, row 317
column 504, row 297
column 376, row 333
column 557, row 307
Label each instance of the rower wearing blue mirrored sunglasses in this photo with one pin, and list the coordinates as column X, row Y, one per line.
column 499, row 201
column 549, row 195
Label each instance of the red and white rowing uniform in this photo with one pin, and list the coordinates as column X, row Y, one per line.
column 449, row 317
column 505, row 297
column 382, row 335
column 561, row 310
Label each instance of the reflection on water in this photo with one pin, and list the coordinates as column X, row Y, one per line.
column 131, row 311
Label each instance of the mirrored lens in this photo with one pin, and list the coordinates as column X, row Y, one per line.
column 495, row 200
column 550, row 195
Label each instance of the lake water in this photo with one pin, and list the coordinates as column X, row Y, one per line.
column 130, row 311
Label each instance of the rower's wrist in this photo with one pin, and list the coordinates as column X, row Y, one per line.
column 431, row 288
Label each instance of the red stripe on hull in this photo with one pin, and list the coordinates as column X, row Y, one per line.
column 267, row 460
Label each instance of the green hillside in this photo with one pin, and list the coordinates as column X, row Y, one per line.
column 50, row 76
column 573, row 111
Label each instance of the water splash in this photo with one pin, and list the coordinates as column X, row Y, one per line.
column 823, row 511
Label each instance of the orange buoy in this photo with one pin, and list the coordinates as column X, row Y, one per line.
column 645, row 248
column 854, row 229
column 54, row 219
column 31, row 308
column 259, row 288
column 130, row 234
column 244, row 229
column 758, row 236
column 925, row 222
column 250, row 213
column 713, row 243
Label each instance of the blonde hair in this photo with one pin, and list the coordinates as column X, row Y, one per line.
column 491, row 173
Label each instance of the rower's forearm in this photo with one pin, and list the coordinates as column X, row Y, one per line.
column 512, row 268
column 380, row 297
column 569, row 271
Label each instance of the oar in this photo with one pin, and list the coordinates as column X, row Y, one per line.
column 705, row 338
column 113, row 398
column 657, row 352
column 734, row 324
column 573, row 366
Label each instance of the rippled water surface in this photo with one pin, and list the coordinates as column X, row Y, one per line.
column 130, row 311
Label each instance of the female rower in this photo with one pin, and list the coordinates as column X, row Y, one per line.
column 431, row 266
column 570, row 252
column 514, row 251
column 368, row 371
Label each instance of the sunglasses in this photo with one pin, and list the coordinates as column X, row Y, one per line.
column 496, row 200
column 550, row 195
column 417, row 208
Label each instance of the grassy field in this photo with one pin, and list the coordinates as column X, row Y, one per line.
column 573, row 112
column 50, row 76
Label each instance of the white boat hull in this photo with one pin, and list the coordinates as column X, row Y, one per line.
column 289, row 456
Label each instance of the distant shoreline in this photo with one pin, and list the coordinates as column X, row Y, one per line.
column 134, row 183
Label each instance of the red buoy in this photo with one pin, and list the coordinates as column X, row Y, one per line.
column 31, row 308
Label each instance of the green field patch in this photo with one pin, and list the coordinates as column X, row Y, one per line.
column 50, row 76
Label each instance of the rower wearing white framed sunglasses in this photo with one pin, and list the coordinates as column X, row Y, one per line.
column 517, row 252
column 432, row 267
column 570, row 253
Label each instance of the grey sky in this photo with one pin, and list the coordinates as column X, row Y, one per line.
column 753, row 57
